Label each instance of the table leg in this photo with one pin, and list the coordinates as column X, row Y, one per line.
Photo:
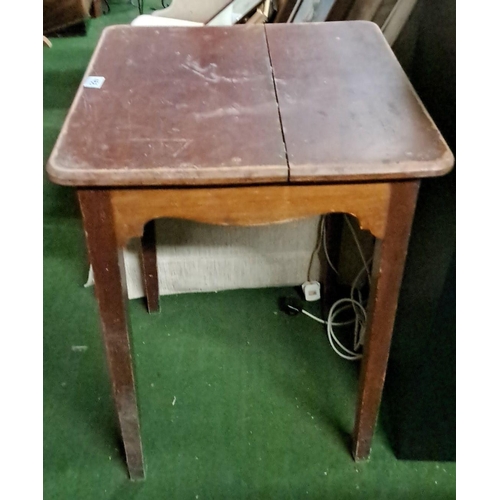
column 150, row 267
column 111, row 292
column 96, row 8
column 387, row 273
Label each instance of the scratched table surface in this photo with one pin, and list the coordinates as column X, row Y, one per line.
column 178, row 106
column 246, row 104
column 348, row 109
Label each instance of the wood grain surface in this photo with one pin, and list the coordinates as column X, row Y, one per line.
column 249, row 205
column 59, row 14
column 347, row 108
column 106, row 258
column 387, row 273
column 150, row 267
column 178, row 106
column 244, row 104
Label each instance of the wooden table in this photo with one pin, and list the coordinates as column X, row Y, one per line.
column 245, row 125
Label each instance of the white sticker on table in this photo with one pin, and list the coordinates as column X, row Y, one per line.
column 93, row 82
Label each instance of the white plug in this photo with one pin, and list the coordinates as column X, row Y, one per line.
column 311, row 290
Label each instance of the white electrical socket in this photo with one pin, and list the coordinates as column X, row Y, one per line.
column 311, row 290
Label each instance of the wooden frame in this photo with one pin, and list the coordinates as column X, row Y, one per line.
column 112, row 216
column 248, row 205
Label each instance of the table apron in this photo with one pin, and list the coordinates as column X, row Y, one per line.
column 249, row 206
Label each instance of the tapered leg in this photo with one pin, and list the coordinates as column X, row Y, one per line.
column 150, row 267
column 110, row 289
column 388, row 266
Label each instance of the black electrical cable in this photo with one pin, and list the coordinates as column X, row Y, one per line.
column 140, row 5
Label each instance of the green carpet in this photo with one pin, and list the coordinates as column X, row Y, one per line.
column 237, row 400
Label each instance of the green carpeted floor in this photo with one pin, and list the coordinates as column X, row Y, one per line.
column 263, row 407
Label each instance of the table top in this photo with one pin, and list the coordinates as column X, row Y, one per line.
column 178, row 105
column 246, row 104
column 347, row 108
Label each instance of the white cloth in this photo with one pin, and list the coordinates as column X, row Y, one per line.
column 195, row 257
column 146, row 20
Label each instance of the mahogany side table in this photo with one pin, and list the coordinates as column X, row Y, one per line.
column 245, row 125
